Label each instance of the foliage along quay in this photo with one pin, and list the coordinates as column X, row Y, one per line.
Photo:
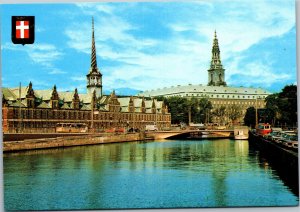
column 284, row 160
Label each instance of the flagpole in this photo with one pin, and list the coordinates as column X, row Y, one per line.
column 92, row 115
column 20, row 123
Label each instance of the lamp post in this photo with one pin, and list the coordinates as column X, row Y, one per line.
column 20, row 115
column 92, row 115
column 256, row 112
column 190, row 114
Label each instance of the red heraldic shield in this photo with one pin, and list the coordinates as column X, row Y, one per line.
column 22, row 29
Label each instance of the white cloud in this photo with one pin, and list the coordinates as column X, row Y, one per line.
column 80, row 87
column 261, row 74
column 183, row 59
column 37, row 83
column 78, row 78
column 43, row 53
column 57, row 71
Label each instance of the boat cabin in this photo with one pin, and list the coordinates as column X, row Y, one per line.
column 263, row 129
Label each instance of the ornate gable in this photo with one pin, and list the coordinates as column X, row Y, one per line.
column 30, row 97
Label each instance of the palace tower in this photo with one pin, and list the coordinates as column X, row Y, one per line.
column 216, row 73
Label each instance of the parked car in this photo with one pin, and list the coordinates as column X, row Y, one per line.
column 270, row 135
column 274, row 136
column 220, row 127
column 295, row 146
column 120, row 130
column 132, row 130
column 151, row 127
column 290, row 140
column 110, row 130
column 287, row 139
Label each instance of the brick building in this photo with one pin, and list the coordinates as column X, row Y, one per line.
column 25, row 109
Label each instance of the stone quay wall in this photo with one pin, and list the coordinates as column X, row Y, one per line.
column 29, row 144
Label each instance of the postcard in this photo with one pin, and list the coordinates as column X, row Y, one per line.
column 149, row 105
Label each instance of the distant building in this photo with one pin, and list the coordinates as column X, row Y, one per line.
column 216, row 90
column 28, row 110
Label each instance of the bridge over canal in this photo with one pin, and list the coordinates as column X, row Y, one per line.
column 191, row 134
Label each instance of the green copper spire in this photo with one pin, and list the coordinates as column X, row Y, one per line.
column 215, row 59
column 93, row 50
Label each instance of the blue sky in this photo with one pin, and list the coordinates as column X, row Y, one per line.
column 152, row 45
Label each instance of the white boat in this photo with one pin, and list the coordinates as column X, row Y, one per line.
column 241, row 136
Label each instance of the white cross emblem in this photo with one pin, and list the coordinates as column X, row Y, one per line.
column 22, row 28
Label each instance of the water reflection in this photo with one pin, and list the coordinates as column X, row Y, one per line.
column 182, row 173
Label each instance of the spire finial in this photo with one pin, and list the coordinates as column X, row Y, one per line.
column 93, row 23
column 93, row 52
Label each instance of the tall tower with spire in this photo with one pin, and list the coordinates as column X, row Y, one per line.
column 216, row 73
column 94, row 77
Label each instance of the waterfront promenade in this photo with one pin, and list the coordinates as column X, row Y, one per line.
column 27, row 141
column 68, row 141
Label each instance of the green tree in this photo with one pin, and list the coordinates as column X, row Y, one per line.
column 179, row 108
column 250, row 117
column 288, row 105
column 281, row 108
column 205, row 107
column 234, row 112
column 220, row 113
column 272, row 102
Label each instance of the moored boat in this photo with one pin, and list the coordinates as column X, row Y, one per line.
column 241, row 136
column 241, row 133
column 263, row 129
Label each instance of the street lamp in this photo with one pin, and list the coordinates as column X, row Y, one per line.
column 256, row 113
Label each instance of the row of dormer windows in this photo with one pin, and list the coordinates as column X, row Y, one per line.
column 219, row 96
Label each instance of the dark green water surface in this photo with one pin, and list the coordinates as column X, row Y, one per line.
column 160, row 174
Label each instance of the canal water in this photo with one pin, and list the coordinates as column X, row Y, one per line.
column 159, row 174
